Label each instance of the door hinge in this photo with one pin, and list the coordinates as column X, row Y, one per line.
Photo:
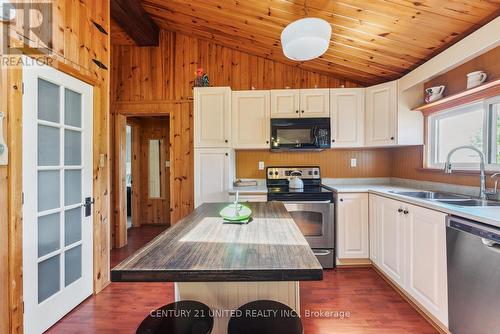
column 23, row 307
column 22, row 198
column 22, row 88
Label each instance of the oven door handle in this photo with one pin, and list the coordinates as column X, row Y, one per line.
column 322, row 252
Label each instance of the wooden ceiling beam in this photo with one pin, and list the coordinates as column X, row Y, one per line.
column 135, row 21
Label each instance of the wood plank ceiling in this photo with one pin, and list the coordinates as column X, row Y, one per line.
column 373, row 41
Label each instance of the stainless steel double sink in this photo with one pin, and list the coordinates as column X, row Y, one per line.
column 447, row 198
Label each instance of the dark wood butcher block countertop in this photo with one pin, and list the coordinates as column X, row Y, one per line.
column 201, row 248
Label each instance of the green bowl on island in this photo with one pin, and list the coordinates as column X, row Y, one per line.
column 236, row 213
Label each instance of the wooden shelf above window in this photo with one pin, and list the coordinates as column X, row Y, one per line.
column 487, row 90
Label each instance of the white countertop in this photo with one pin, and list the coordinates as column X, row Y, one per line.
column 260, row 189
column 486, row 215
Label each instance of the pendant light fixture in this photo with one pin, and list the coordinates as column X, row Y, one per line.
column 306, row 38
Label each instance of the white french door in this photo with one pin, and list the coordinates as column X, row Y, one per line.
column 57, row 184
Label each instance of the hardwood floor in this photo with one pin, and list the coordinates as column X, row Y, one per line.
column 369, row 304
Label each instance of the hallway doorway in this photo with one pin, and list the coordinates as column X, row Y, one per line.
column 148, row 171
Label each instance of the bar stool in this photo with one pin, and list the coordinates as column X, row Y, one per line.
column 182, row 317
column 265, row 317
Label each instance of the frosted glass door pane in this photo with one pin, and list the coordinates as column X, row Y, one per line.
column 48, row 278
column 48, row 146
column 48, row 190
column 48, row 234
column 48, row 101
column 72, row 265
column 72, row 187
column 72, row 108
column 72, row 226
column 72, row 148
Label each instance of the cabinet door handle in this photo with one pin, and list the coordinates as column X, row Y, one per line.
column 406, row 212
column 296, row 111
column 333, row 140
column 227, row 154
column 302, row 111
column 400, row 210
column 341, row 199
column 392, row 138
column 267, row 141
column 226, row 141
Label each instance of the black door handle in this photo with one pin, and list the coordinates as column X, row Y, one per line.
column 88, row 206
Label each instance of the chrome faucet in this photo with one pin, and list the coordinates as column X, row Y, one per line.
column 448, row 168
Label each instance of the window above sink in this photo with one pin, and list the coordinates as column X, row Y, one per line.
column 476, row 124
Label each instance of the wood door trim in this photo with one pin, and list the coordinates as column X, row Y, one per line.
column 120, row 186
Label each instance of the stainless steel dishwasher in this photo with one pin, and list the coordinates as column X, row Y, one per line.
column 473, row 277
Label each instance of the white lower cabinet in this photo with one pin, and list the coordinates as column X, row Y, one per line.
column 352, row 226
column 408, row 243
column 213, row 174
column 391, row 240
column 425, row 242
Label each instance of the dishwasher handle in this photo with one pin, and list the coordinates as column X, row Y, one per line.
column 492, row 245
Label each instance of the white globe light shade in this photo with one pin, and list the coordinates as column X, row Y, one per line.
column 306, row 39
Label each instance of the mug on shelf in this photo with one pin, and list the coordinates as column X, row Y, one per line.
column 476, row 78
column 434, row 93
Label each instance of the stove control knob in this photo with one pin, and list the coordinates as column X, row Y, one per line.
column 310, row 173
column 276, row 173
column 316, row 172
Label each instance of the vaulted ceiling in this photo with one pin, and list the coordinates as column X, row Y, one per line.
column 372, row 41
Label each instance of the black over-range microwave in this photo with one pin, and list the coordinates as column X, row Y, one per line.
column 300, row 133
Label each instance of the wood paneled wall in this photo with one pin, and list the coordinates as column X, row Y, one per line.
column 4, row 216
column 167, row 72
column 334, row 163
column 407, row 163
column 159, row 80
column 75, row 42
column 455, row 80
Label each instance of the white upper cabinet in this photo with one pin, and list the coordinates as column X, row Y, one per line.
column 285, row 103
column 212, row 117
column 381, row 114
column 347, row 112
column 352, row 226
column 315, row 102
column 251, row 112
column 291, row 103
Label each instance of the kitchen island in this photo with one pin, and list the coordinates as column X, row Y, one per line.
column 227, row 265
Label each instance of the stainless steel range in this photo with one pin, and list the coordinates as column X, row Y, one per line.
column 312, row 207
